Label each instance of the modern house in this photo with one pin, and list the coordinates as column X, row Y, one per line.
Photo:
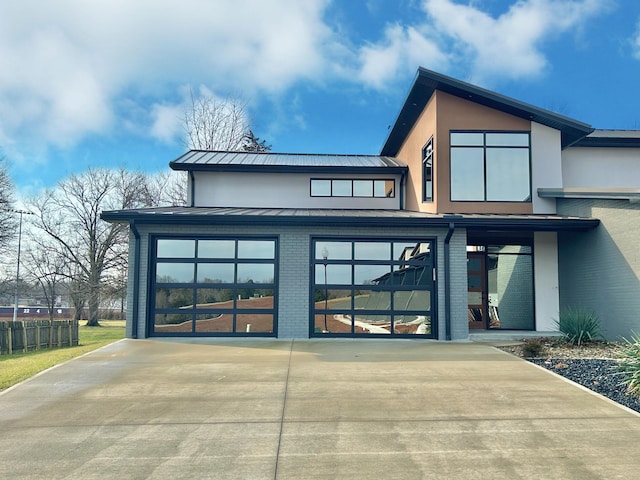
column 481, row 214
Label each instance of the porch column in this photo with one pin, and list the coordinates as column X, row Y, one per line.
column 546, row 280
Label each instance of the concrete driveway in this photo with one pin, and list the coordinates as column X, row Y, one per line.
column 258, row 409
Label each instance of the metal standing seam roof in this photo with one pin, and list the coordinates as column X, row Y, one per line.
column 427, row 82
column 223, row 160
column 347, row 217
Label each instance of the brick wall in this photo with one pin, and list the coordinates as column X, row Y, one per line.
column 600, row 269
column 294, row 264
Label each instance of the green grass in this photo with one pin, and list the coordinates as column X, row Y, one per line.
column 20, row 366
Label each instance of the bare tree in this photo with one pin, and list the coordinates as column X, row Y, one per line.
column 168, row 188
column 46, row 267
column 70, row 215
column 214, row 124
column 7, row 218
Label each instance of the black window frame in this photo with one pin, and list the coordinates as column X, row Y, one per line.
column 372, row 180
column 427, row 171
column 391, row 288
column 196, row 286
column 485, row 148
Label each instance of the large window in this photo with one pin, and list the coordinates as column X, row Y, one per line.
column 340, row 187
column 427, row 171
column 490, row 166
column 214, row 286
column 369, row 287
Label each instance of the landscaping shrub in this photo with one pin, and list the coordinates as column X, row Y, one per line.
column 533, row 347
column 629, row 364
column 579, row 325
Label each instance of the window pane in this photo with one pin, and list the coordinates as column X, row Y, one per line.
column 333, row 250
column 255, row 273
column 332, row 323
column 363, row 188
column 174, row 298
column 467, row 174
column 367, row 324
column 412, row 300
column 254, row 323
column 372, row 300
column 172, row 322
column 176, row 248
column 467, row 138
column 412, row 324
column 335, row 274
column 371, row 274
column 342, row 188
column 372, row 250
column 174, row 272
column 508, row 174
column 216, row 272
column 320, row 188
column 214, row 322
column 213, row 298
column 216, row 248
column 336, row 299
column 255, row 298
column 384, row 188
column 508, row 139
column 511, row 292
column 256, row 249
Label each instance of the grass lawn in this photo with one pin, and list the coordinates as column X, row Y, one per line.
column 20, row 366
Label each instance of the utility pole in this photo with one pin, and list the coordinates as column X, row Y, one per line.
column 15, row 305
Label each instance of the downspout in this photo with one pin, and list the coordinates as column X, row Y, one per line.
column 193, row 188
column 403, row 178
column 136, row 280
column 447, row 281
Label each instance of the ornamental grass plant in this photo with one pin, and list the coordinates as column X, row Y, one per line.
column 579, row 325
column 629, row 364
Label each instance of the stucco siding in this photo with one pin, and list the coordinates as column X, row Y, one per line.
column 601, row 167
column 600, row 269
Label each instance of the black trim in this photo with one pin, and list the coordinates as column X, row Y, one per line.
column 195, row 286
column 608, row 142
column 366, row 179
column 427, row 82
column 381, row 218
column 353, row 287
column 381, row 170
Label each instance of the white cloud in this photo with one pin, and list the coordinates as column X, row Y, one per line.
column 66, row 65
column 402, row 50
column 509, row 45
column 635, row 42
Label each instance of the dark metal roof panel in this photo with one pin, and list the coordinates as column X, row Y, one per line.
column 427, row 82
column 611, row 139
column 347, row 217
column 215, row 160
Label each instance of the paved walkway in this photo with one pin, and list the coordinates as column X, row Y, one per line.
column 324, row 409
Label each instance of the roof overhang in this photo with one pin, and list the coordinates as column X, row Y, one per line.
column 344, row 217
column 611, row 139
column 630, row 194
column 427, row 82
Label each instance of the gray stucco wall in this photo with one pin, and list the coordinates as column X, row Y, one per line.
column 600, row 269
column 294, row 264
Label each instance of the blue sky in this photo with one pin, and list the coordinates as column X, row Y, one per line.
column 105, row 83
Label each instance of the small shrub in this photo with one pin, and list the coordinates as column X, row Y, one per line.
column 533, row 347
column 629, row 364
column 579, row 325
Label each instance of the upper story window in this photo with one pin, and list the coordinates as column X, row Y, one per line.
column 490, row 166
column 340, row 187
column 427, row 171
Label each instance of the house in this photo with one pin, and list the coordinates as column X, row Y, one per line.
column 481, row 214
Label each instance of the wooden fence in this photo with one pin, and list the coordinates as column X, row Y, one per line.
column 26, row 335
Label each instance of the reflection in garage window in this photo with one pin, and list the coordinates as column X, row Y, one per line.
column 369, row 287
column 214, row 286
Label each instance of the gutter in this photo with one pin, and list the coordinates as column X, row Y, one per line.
column 136, row 279
column 193, row 188
column 447, row 281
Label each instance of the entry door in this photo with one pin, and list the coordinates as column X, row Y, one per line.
column 477, row 290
